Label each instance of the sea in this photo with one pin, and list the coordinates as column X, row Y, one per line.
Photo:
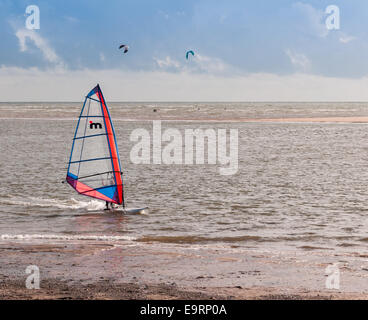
column 297, row 185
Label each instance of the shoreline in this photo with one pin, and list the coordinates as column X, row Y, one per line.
column 101, row 270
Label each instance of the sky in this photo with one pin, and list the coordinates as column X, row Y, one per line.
column 244, row 50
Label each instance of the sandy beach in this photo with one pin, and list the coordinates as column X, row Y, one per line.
column 104, row 271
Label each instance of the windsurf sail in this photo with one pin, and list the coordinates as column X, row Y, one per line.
column 94, row 168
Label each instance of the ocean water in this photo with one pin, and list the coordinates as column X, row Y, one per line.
column 298, row 185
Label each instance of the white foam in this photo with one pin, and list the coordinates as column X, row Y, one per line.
column 55, row 203
column 64, row 237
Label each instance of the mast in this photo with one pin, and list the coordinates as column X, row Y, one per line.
column 122, row 190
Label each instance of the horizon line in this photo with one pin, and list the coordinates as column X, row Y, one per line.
column 192, row 101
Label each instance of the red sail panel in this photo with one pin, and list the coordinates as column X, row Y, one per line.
column 113, row 149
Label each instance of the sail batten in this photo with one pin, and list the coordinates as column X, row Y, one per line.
column 94, row 166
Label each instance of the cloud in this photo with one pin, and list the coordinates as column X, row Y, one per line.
column 163, row 14
column 346, row 38
column 210, row 64
column 315, row 18
column 222, row 18
column 168, row 64
column 71, row 19
column 195, row 64
column 48, row 53
column 299, row 60
column 36, row 85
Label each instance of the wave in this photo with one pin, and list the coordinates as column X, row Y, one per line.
column 91, row 205
column 196, row 239
column 228, row 239
column 64, row 237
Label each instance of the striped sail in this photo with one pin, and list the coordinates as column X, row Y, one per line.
column 94, row 166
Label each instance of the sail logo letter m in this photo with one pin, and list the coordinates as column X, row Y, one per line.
column 95, row 125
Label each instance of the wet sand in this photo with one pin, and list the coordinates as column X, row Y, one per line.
column 58, row 290
column 98, row 270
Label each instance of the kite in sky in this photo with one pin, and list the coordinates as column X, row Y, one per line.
column 189, row 52
column 125, row 47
